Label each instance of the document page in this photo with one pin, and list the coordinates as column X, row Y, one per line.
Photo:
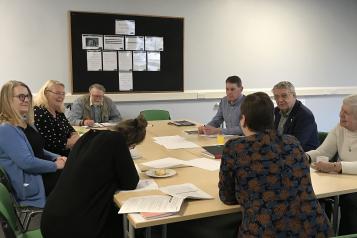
column 165, row 163
column 204, row 163
column 186, row 190
column 153, row 203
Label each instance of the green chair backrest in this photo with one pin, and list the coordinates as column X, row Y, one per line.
column 155, row 115
column 7, row 210
column 4, row 179
column 322, row 136
column 346, row 236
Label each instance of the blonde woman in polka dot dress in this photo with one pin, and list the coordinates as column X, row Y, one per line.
column 59, row 136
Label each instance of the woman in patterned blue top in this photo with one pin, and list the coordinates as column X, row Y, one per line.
column 269, row 176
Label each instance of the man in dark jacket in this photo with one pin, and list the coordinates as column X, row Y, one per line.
column 293, row 118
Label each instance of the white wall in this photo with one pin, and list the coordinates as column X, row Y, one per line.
column 309, row 42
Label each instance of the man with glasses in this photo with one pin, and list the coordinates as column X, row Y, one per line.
column 94, row 107
column 292, row 117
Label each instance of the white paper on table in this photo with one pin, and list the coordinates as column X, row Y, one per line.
column 174, row 142
column 144, row 184
column 125, row 81
column 110, row 62
column 165, row 163
column 153, row 203
column 186, row 190
column 204, row 163
column 113, row 42
column 125, row 27
column 94, row 60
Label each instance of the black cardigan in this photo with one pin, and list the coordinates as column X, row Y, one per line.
column 81, row 205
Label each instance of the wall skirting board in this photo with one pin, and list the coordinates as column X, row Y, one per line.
column 214, row 94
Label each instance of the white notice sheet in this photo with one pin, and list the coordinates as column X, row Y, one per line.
column 139, row 60
column 153, row 61
column 113, row 42
column 110, row 61
column 153, row 43
column 125, row 27
column 153, row 203
column 125, row 60
column 94, row 60
column 92, row 42
column 125, row 81
column 134, row 43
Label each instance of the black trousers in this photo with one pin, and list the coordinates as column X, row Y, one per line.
column 348, row 222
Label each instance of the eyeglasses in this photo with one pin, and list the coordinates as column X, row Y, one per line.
column 22, row 97
column 283, row 96
column 57, row 93
column 97, row 96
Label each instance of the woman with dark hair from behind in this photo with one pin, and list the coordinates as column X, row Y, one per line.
column 81, row 205
column 269, row 176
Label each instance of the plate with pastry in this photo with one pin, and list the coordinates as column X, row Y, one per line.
column 160, row 173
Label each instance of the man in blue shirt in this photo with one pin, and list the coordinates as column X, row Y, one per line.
column 293, row 118
column 228, row 111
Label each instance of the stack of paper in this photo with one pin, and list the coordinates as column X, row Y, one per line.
column 186, row 190
column 153, row 203
column 174, row 142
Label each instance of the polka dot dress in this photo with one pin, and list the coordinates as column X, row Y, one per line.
column 54, row 130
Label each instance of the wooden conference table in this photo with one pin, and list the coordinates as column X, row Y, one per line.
column 325, row 185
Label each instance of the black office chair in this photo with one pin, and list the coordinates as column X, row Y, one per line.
column 24, row 213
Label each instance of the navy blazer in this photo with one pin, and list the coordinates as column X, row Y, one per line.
column 301, row 124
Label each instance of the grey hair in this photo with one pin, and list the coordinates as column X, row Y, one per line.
column 351, row 101
column 285, row 85
column 97, row 86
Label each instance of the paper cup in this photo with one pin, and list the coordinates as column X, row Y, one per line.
column 322, row 158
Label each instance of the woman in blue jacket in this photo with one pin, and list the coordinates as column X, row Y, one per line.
column 21, row 146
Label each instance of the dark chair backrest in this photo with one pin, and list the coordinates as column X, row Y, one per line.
column 155, row 115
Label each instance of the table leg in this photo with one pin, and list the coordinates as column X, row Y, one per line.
column 336, row 201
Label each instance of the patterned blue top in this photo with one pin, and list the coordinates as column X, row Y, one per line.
column 269, row 176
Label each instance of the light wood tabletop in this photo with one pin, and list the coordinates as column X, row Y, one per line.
column 325, row 185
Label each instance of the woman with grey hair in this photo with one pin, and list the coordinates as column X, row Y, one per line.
column 343, row 141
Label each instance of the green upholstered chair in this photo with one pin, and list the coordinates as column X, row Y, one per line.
column 322, row 136
column 155, row 115
column 9, row 221
column 24, row 213
column 347, row 236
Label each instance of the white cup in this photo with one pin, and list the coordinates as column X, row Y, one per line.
column 322, row 158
